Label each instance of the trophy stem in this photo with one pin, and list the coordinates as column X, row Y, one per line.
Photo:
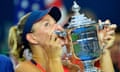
column 89, row 66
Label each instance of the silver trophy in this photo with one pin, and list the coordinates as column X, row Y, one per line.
column 84, row 38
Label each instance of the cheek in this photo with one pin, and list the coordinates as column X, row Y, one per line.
column 42, row 36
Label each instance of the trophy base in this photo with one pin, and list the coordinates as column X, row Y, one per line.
column 89, row 66
column 94, row 69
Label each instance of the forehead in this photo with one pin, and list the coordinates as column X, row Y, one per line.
column 47, row 18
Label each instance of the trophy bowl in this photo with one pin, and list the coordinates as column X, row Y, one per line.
column 85, row 42
column 86, row 46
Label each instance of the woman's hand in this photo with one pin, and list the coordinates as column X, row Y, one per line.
column 107, row 34
column 52, row 47
column 106, row 38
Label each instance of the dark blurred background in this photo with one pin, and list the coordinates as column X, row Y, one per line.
column 12, row 10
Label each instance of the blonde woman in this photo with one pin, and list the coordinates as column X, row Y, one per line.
column 35, row 31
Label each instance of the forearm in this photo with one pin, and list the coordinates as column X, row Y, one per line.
column 55, row 65
column 106, row 62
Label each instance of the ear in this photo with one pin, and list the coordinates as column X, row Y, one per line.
column 31, row 38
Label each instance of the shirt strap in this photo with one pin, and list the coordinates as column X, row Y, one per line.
column 38, row 66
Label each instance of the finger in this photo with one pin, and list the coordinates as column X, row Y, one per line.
column 102, row 25
column 109, row 43
column 55, row 41
column 53, row 37
column 107, row 22
column 112, row 27
column 112, row 32
column 52, row 40
column 109, row 40
column 108, row 37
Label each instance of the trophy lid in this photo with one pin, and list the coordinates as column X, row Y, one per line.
column 78, row 20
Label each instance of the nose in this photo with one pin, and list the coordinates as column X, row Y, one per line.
column 58, row 27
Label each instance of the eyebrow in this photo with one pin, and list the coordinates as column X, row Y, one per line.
column 46, row 19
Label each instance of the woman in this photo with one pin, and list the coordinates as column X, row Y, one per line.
column 36, row 32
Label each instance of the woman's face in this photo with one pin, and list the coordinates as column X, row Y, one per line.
column 44, row 30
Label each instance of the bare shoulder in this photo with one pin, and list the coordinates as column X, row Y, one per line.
column 26, row 66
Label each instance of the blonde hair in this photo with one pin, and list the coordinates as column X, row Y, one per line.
column 14, row 39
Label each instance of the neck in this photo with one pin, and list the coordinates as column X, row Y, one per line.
column 39, row 56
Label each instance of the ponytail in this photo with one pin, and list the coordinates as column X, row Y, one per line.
column 14, row 40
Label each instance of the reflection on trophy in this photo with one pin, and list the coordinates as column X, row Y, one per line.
column 85, row 40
